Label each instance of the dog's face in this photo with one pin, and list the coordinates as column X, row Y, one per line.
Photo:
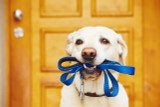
column 95, row 44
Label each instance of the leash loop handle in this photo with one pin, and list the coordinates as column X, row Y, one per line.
column 73, row 70
column 114, row 82
column 65, row 59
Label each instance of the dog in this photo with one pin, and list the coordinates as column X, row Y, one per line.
column 93, row 45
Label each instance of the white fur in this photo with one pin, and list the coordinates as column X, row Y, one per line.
column 91, row 37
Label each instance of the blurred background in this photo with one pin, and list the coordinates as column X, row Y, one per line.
column 33, row 35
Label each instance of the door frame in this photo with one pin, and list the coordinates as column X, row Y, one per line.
column 151, row 43
column 2, row 55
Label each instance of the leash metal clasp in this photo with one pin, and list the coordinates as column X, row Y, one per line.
column 82, row 90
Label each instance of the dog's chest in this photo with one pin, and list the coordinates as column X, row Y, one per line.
column 95, row 102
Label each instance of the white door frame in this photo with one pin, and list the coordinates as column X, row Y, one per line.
column 2, row 55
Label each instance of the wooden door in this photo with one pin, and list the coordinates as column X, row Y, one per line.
column 50, row 22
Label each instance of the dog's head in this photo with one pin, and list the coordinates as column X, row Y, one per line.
column 95, row 44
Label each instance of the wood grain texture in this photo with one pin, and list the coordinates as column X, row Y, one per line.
column 151, row 16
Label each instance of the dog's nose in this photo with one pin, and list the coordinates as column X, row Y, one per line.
column 88, row 54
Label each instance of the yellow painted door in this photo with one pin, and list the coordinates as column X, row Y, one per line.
column 50, row 22
column 53, row 20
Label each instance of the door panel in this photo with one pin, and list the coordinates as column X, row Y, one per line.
column 50, row 94
column 52, row 46
column 63, row 8
column 112, row 7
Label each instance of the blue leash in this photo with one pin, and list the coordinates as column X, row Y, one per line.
column 105, row 66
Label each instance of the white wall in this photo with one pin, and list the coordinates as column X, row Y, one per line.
column 2, row 55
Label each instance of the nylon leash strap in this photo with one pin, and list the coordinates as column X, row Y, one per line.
column 105, row 67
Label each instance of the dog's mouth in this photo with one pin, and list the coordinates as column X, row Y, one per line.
column 91, row 72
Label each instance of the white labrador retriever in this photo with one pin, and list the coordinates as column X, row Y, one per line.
column 93, row 45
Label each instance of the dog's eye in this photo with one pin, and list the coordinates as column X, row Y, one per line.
column 79, row 42
column 104, row 41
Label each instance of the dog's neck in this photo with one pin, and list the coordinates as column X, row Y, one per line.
column 94, row 86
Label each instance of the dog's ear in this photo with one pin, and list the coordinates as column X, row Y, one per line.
column 122, row 49
column 70, row 43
